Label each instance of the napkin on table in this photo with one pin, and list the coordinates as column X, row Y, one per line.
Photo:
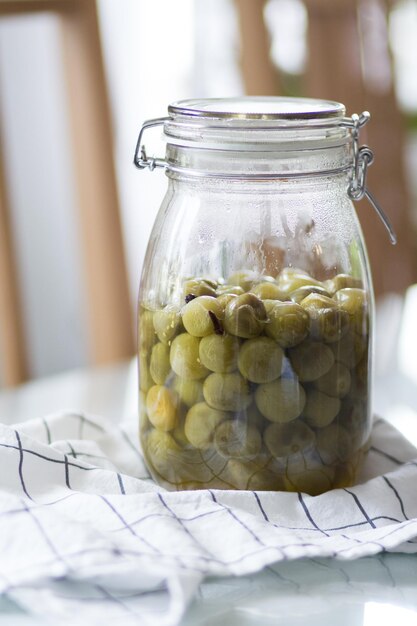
column 86, row 533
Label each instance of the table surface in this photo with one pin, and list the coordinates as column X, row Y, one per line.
column 375, row 591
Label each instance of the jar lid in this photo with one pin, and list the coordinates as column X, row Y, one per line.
column 258, row 108
column 255, row 123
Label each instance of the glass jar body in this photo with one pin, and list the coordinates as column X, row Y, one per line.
column 255, row 336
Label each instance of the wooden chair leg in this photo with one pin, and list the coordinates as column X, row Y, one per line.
column 13, row 362
column 109, row 306
column 335, row 71
column 260, row 77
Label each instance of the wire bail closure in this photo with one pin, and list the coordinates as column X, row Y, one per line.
column 141, row 160
column 362, row 158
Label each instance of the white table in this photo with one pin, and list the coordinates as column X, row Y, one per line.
column 377, row 591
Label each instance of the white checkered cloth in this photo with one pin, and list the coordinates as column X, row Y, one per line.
column 86, row 535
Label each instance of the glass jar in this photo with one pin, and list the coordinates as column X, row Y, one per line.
column 256, row 304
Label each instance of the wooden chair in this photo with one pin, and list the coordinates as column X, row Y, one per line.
column 109, row 310
column 336, row 69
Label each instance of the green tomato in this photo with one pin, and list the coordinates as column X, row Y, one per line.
column 260, row 360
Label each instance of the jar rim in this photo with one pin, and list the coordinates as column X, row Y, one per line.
column 254, row 108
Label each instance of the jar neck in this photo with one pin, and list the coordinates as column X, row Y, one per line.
column 323, row 160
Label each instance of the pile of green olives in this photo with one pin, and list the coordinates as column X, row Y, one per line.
column 256, row 382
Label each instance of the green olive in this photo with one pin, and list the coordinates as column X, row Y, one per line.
column 160, row 446
column 226, row 392
column 179, row 436
column 225, row 298
column 234, row 438
column 237, row 473
column 260, row 360
column 354, row 417
column 219, row 353
column 200, row 424
column 145, row 378
column 311, row 481
column 167, row 323
column 229, row 290
column 288, row 324
column 178, row 466
column 354, row 302
column 360, row 376
column 290, row 279
column 341, row 281
column 245, row 316
column 281, row 400
column 146, row 332
column 320, row 409
column 328, row 322
column 189, row 391
column 199, row 287
column 252, row 415
column 160, row 367
column 265, row 480
column 302, row 292
column 285, row 440
column 162, row 407
column 185, row 358
column 144, row 423
column 246, row 475
column 245, row 279
column 350, row 349
column 268, row 291
column 201, row 316
column 336, row 382
column 334, row 444
column 311, row 360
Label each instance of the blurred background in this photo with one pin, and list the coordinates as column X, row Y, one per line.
column 77, row 79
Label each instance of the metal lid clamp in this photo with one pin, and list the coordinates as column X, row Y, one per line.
column 362, row 157
column 141, row 160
